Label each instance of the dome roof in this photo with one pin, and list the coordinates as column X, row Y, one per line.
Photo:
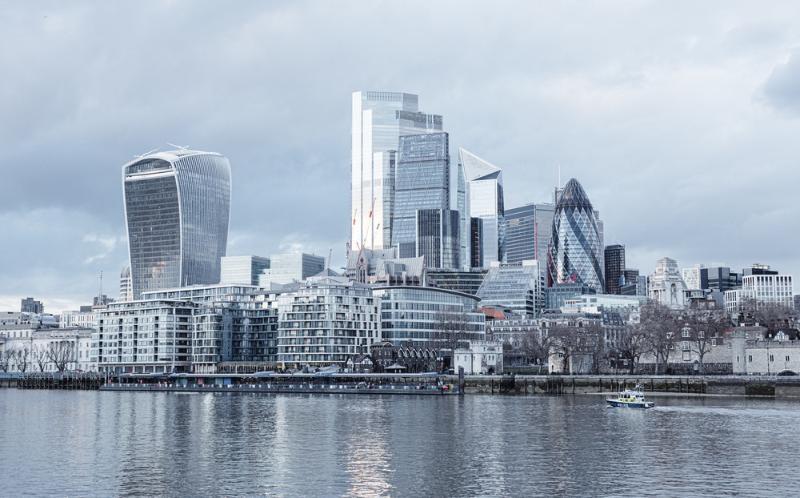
column 573, row 195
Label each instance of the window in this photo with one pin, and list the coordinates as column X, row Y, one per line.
column 750, row 358
column 771, row 358
column 787, row 358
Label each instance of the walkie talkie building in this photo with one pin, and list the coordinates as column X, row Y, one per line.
column 177, row 209
column 576, row 245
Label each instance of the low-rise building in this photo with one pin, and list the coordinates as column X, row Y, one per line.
column 46, row 350
column 481, row 358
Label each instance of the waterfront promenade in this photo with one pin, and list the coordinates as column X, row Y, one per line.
column 417, row 384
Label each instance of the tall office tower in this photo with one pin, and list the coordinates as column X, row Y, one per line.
column 379, row 120
column 125, row 289
column 615, row 268
column 31, row 305
column 484, row 185
column 575, row 251
column 462, row 204
column 528, row 232
column 244, row 270
column 177, row 209
column 438, row 239
column 422, row 181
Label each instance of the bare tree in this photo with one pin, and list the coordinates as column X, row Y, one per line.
column 61, row 353
column 704, row 326
column 39, row 357
column 6, row 358
column 633, row 342
column 773, row 316
column 22, row 357
column 662, row 327
column 535, row 345
column 564, row 342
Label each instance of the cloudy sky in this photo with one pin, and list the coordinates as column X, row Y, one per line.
column 681, row 120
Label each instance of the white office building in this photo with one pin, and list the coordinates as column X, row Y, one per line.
column 242, row 270
column 762, row 289
column 291, row 267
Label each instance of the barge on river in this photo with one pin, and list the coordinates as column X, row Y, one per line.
column 283, row 383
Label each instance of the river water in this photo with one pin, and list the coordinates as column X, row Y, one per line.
column 83, row 443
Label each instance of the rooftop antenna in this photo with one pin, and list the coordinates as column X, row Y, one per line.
column 559, row 176
column 100, row 294
column 147, row 153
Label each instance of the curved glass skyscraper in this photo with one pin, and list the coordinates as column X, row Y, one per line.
column 177, row 208
column 575, row 250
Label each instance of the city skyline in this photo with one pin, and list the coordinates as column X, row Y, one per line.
column 691, row 135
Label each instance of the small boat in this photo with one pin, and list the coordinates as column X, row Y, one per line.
column 630, row 398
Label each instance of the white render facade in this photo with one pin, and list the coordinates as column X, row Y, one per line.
column 326, row 321
column 666, row 285
column 482, row 358
column 48, row 350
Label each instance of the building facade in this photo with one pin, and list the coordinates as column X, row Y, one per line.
column 291, row 267
column 438, row 238
column 484, row 190
column 614, row 268
column 575, row 253
column 379, row 119
column 31, row 305
column 467, row 282
column 422, row 182
column 666, row 284
column 177, row 210
column 516, row 287
column 125, row 285
column 242, row 269
column 325, row 321
column 46, row 350
column 429, row 317
column 528, row 233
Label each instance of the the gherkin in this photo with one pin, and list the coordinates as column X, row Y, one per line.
column 576, row 245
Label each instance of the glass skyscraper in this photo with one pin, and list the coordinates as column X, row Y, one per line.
column 576, row 247
column 528, row 232
column 379, row 120
column 422, row 182
column 484, row 185
column 615, row 268
column 438, row 239
column 177, row 209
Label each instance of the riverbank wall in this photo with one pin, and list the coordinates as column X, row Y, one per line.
column 520, row 385
column 778, row 387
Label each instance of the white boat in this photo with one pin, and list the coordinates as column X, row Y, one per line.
column 630, row 398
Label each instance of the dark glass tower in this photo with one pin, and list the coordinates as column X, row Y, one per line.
column 177, row 209
column 615, row 268
column 438, row 238
column 575, row 248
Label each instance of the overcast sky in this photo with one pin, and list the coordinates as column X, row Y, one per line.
column 681, row 120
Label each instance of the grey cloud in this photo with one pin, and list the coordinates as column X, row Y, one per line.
column 649, row 105
column 782, row 88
